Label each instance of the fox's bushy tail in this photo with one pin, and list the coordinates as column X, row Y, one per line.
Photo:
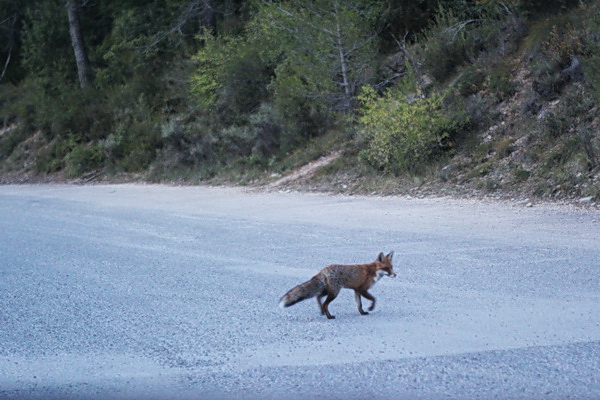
column 303, row 291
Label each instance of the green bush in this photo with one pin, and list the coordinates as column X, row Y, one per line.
column 56, row 109
column 232, row 76
column 556, row 124
column 132, row 135
column 46, row 46
column 84, row 158
column 544, row 6
column 591, row 49
column 304, row 116
column 446, row 45
column 52, row 157
column 470, row 81
column 521, row 174
column 501, row 84
column 459, row 37
column 563, row 44
column 592, row 72
column 9, row 140
column 9, row 97
column 403, row 134
column 259, row 137
column 70, row 154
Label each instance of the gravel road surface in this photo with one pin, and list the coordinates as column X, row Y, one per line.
column 160, row 292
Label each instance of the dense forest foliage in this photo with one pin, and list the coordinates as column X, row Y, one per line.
column 195, row 88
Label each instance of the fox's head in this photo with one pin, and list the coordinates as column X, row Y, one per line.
column 384, row 265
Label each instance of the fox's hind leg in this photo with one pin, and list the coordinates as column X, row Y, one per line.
column 330, row 297
column 359, row 303
column 319, row 299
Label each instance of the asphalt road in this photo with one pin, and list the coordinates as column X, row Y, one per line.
column 157, row 292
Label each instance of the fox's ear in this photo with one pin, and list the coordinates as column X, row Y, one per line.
column 389, row 256
column 380, row 257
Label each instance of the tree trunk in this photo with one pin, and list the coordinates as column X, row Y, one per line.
column 83, row 65
column 343, row 61
column 11, row 44
column 343, row 64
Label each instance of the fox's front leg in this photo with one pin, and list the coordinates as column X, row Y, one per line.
column 368, row 296
column 359, row 303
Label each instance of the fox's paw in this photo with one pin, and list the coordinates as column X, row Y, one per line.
column 331, row 317
column 364, row 313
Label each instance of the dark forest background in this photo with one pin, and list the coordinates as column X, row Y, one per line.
column 484, row 94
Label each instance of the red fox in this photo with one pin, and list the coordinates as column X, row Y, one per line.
column 330, row 280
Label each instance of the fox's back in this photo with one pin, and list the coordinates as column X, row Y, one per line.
column 349, row 276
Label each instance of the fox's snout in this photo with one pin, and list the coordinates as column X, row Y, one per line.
column 382, row 272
